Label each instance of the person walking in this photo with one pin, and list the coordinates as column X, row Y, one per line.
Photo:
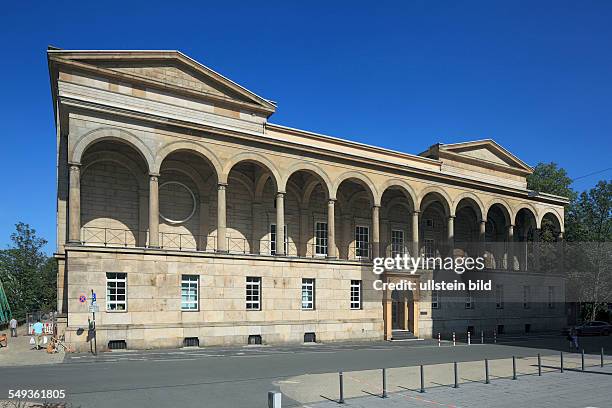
column 13, row 326
column 38, row 332
column 574, row 335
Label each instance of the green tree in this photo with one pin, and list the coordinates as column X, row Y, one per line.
column 549, row 178
column 28, row 274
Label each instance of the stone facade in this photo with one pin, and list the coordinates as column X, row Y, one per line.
column 166, row 168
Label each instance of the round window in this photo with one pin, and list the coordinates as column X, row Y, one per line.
column 177, row 203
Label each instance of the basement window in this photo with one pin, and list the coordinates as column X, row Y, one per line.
column 255, row 339
column 191, row 342
column 117, row 345
column 310, row 337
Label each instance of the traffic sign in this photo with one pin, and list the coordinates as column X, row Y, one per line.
column 82, row 298
column 93, row 296
column 93, row 308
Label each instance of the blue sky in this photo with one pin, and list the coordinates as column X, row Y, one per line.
column 534, row 76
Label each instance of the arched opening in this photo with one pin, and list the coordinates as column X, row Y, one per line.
column 550, row 228
column 113, row 195
column 251, row 210
column 496, row 238
column 308, row 206
column 355, row 201
column 467, row 228
column 525, row 234
column 435, row 213
column 187, row 202
column 396, row 229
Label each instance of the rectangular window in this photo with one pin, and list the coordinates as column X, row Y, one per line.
column 362, row 241
column 469, row 301
column 499, row 296
column 253, row 293
column 551, row 297
column 526, row 297
column 116, row 295
column 273, row 239
column 320, row 238
column 397, row 243
column 189, row 292
column 429, row 223
column 429, row 248
column 308, row 294
column 355, row 294
column 435, row 299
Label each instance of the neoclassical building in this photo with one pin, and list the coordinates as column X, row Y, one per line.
column 196, row 220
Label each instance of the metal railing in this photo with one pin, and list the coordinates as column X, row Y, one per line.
column 112, row 237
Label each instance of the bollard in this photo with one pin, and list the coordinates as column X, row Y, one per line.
column 539, row 365
column 601, row 361
column 513, row 368
column 487, row 372
column 341, row 400
column 582, row 359
column 439, row 340
column 422, row 380
column 495, row 336
column 384, row 379
column 454, row 343
column 469, row 338
column 482, row 337
column 274, row 399
column 561, row 361
column 456, row 377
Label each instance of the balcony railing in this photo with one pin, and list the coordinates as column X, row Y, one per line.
column 499, row 256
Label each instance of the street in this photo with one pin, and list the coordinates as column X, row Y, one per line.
column 241, row 376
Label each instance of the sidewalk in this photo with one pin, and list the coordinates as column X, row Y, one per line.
column 570, row 389
column 313, row 388
column 21, row 353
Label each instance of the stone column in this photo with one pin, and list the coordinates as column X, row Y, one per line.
column 510, row 251
column 255, row 227
column 451, row 234
column 280, row 223
column 74, row 209
column 375, row 231
column 153, row 211
column 221, row 218
column 202, row 242
column 347, row 236
column 306, row 250
column 415, row 234
column 482, row 234
column 331, row 229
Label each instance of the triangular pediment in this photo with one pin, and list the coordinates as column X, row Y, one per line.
column 167, row 70
column 487, row 151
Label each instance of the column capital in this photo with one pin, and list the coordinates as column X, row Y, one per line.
column 331, row 200
column 221, row 186
column 450, row 217
column 153, row 176
column 416, row 212
column 280, row 193
column 74, row 166
column 376, row 206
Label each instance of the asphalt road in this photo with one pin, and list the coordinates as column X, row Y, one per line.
column 241, row 376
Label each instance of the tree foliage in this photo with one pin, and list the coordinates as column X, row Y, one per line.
column 549, row 178
column 28, row 274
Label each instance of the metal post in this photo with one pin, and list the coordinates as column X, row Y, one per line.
column 456, row 379
column 439, row 340
column 482, row 337
column 582, row 359
column 341, row 400
column 384, row 380
column 487, row 372
column 454, row 342
column 469, row 340
column 513, row 368
column 494, row 336
column 274, row 399
column 539, row 365
column 422, row 380
column 602, row 358
column 561, row 361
